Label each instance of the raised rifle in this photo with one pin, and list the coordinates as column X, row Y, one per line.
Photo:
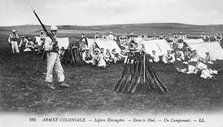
column 55, row 43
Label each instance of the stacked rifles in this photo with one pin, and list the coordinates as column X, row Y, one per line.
column 136, row 66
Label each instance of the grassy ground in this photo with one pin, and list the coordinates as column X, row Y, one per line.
column 22, row 89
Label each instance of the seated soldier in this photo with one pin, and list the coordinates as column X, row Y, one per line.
column 86, row 56
column 108, row 57
column 132, row 44
column 29, row 46
column 115, row 56
column 193, row 57
column 204, row 71
column 154, row 57
column 168, row 58
column 98, row 59
column 22, row 44
column 208, row 58
column 179, row 55
column 187, row 54
column 102, row 51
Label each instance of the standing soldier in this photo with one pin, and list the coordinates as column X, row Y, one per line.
column 42, row 42
column 13, row 40
column 110, row 36
column 53, row 60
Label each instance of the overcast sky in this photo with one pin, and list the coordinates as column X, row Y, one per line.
column 98, row 12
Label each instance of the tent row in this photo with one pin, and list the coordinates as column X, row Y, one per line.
column 214, row 48
column 160, row 46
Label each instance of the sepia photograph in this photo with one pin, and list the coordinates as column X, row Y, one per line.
column 99, row 63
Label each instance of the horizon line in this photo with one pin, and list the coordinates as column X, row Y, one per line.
column 110, row 24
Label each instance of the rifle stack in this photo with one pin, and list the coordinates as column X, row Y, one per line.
column 132, row 75
column 73, row 55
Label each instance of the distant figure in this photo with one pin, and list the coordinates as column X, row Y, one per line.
column 104, row 36
column 96, row 36
column 83, row 37
column 13, row 41
column 185, row 37
column 42, row 42
column 84, row 41
column 187, row 53
column 204, row 71
column 154, row 36
column 115, row 56
column 23, row 43
column 161, row 36
column 208, row 59
column 154, row 57
column 175, row 35
column 102, row 51
column 110, row 36
column 124, row 55
column 145, row 36
column 123, row 37
column 132, row 44
column 179, row 55
column 30, row 45
column 218, row 37
column 168, row 58
column 203, row 36
column 42, row 36
column 86, row 56
column 108, row 57
column 98, row 59
column 139, row 36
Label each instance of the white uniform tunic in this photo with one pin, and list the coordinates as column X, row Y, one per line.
column 13, row 40
column 53, row 62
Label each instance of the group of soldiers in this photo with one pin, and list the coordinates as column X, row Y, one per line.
column 185, row 59
column 23, row 43
column 207, row 38
column 179, row 52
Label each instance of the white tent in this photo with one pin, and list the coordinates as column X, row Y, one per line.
column 63, row 42
column 107, row 44
column 214, row 48
column 160, row 46
column 91, row 43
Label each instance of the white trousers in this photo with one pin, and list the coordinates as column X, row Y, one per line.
column 14, row 46
column 53, row 62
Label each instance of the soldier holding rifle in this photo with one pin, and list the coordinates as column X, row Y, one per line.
column 53, row 60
